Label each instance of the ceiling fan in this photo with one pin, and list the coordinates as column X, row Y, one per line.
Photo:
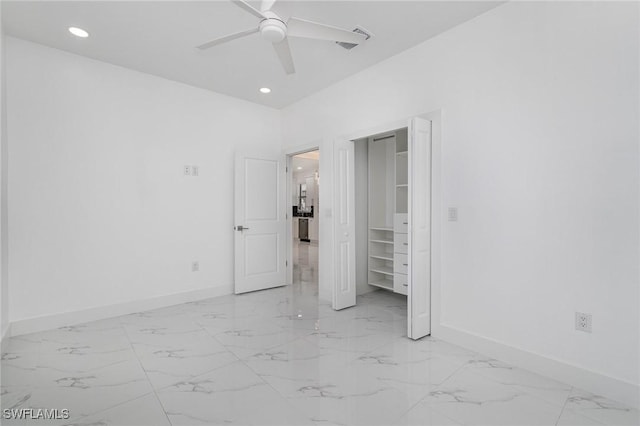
column 275, row 30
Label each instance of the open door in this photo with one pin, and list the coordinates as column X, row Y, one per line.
column 344, row 291
column 259, row 222
column 419, row 292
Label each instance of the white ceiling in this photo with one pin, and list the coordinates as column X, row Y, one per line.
column 308, row 161
column 313, row 155
column 159, row 37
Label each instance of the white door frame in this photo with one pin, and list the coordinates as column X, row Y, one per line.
column 289, row 192
column 436, row 196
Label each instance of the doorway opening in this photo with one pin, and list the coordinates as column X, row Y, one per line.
column 305, row 208
column 381, row 219
column 397, row 241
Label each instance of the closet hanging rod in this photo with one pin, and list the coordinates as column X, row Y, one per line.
column 383, row 138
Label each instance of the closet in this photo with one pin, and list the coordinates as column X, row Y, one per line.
column 388, row 255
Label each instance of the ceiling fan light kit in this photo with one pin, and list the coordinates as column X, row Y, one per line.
column 274, row 29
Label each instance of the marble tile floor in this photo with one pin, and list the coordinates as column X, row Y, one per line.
column 279, row 357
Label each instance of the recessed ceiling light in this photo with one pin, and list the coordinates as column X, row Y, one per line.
column 299, row 168
column 78, row 32
column 265, row 90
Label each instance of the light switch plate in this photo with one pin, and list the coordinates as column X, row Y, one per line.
column 453, row 214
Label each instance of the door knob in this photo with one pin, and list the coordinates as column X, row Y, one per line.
column 239, row 228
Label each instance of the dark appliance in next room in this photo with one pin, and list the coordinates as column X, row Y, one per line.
column 303, row 230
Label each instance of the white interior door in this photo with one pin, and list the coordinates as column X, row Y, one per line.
column 344, row 291
column 260, row 225
column 419, row 292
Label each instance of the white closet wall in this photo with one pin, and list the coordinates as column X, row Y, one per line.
column 387, row 211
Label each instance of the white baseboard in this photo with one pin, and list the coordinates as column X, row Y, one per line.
column 49, row 322
column 591, row 381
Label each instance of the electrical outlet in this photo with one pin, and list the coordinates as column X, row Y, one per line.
column 195, row 266
column 583, row 322
column 453, row 214
column 194, row 170
column 187, row 170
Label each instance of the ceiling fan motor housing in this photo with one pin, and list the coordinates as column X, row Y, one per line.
column 273, row 29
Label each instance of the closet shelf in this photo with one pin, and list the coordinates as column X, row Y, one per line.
column 382, row 284
column 388, row 190
column 381, row 241
column 382, row 270
column 375, row 256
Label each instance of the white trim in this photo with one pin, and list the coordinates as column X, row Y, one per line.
column 436, row 212
column 6, row 332
column 591, row 381
column 289, row 234
column 383, row 128
column 49, row 322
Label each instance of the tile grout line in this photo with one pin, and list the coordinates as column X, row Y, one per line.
column 164, row 410
column 436, row 387
column 119, row 362
column 277, row 392
column 110, row 408
column 564, row 406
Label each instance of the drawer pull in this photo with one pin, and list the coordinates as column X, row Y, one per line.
column 405, row 264
column 405, row 244
column 405, row 285
column 405, row 223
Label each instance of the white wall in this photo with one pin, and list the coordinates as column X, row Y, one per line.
column 4, row 270
column 99, row 209
column 540, row 135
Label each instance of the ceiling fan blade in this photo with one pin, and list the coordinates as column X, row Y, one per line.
column 247, row 7
column 301, row 28
column 227, row 38
column 267, row 5
column 284, row 54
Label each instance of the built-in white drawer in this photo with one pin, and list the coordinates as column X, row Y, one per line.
column 400, row 263
column 400, row 283
column 401, row 222
column 400, row 244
